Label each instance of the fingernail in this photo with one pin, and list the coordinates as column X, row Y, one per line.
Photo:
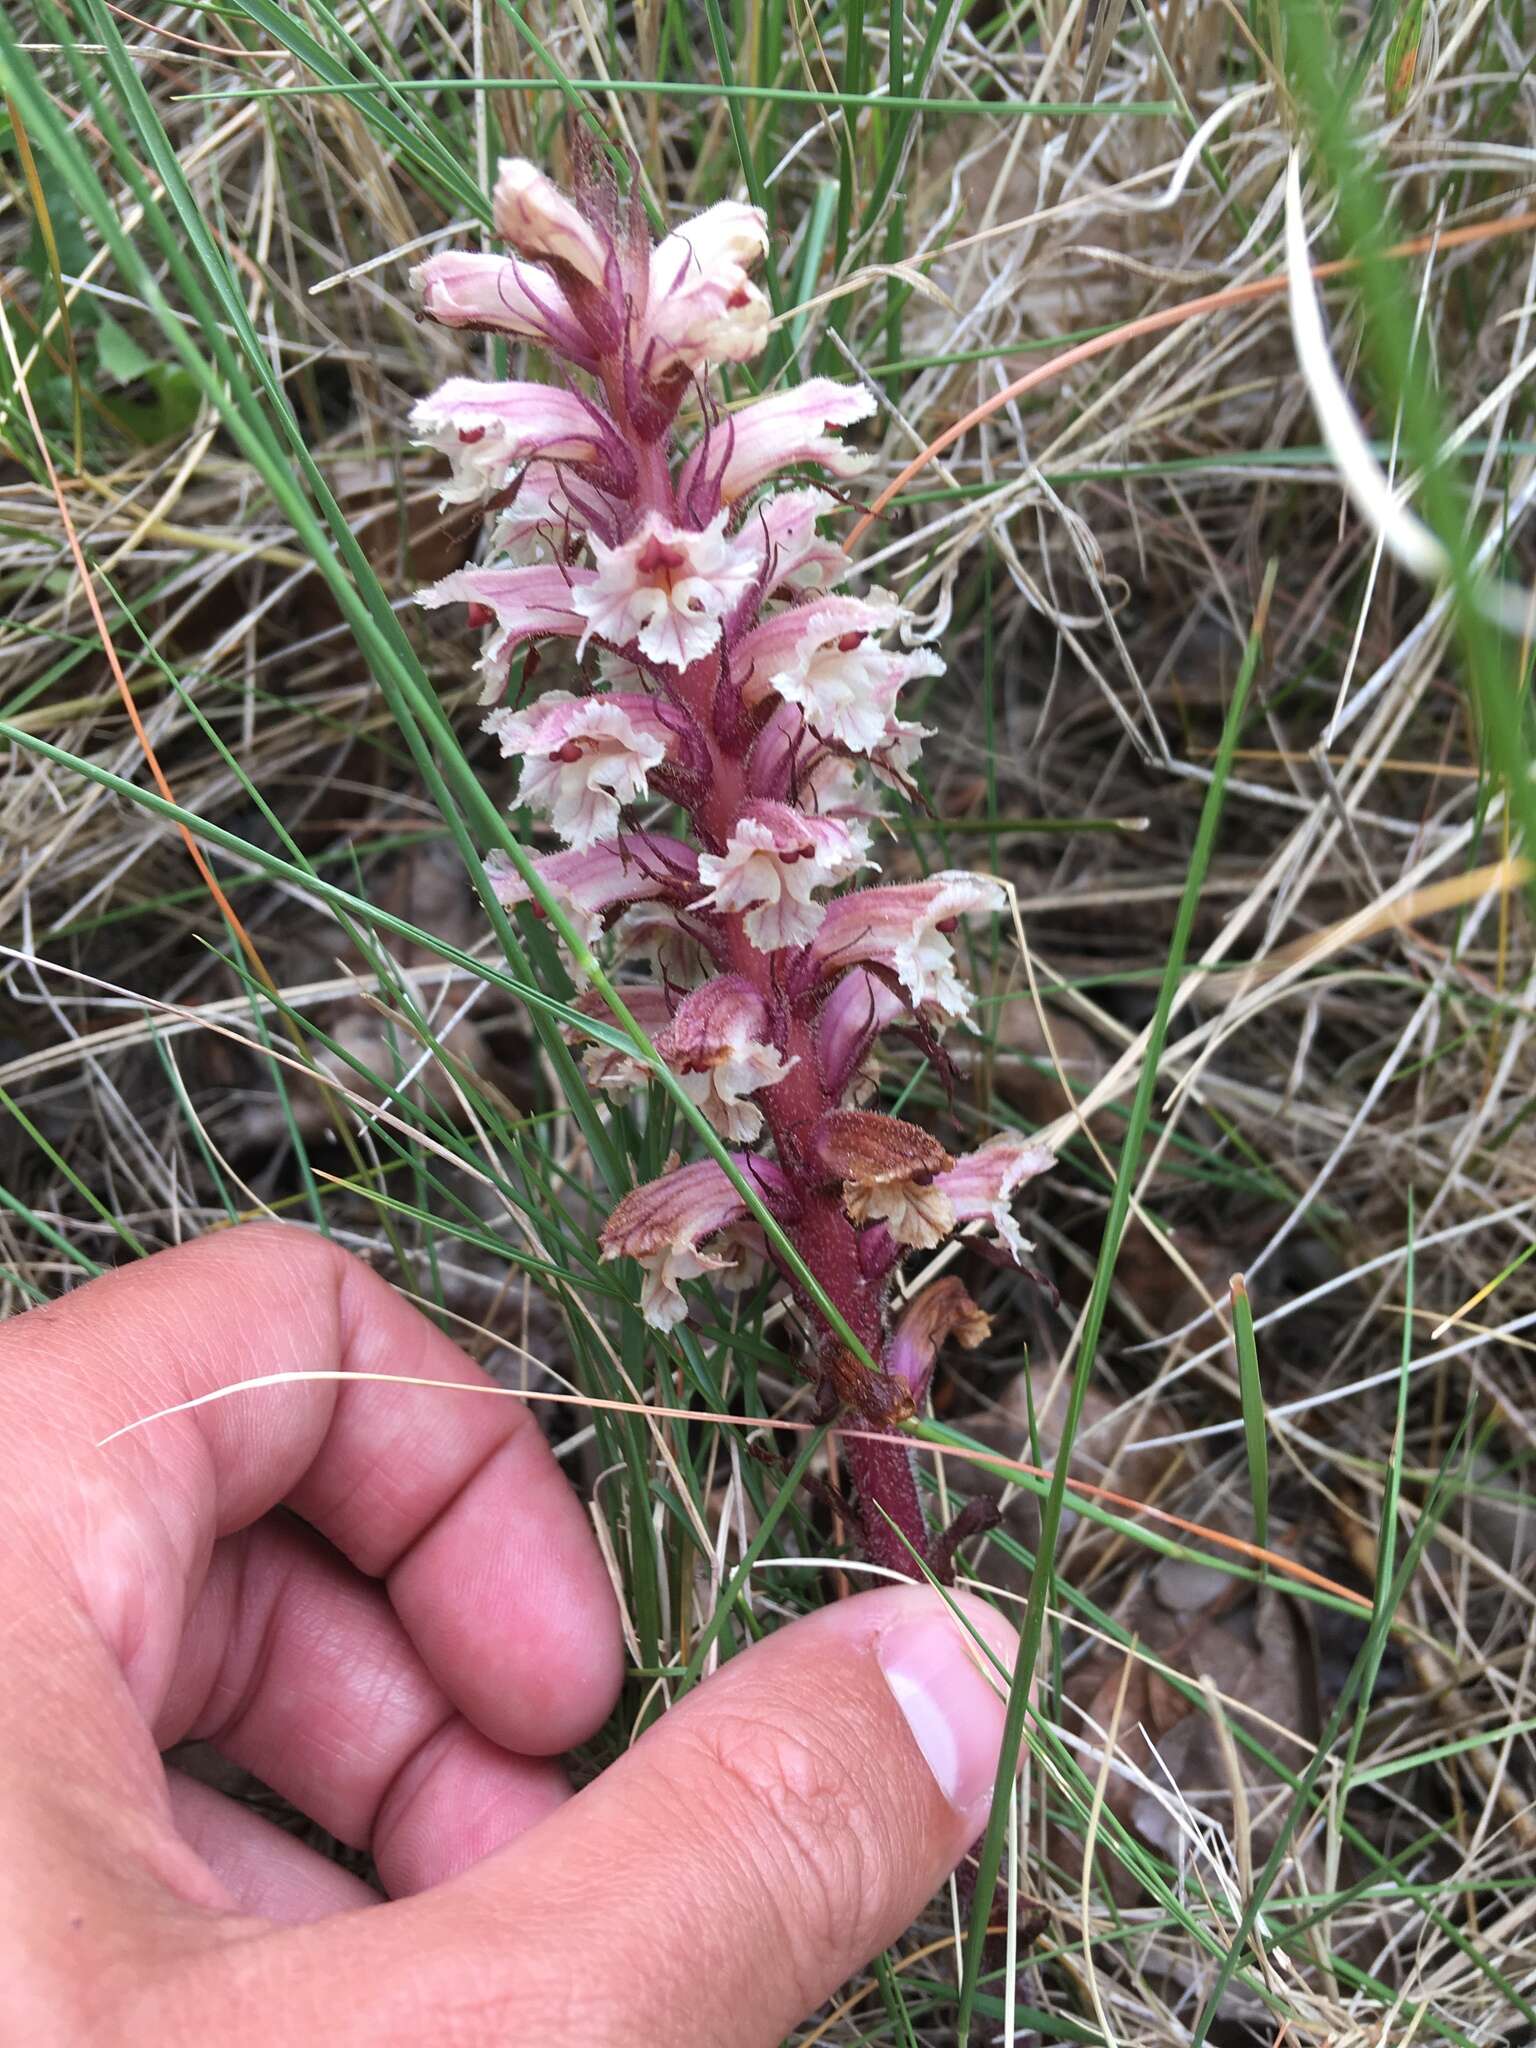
column 954, row 1710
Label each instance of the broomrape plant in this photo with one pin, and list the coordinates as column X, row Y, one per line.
column 721, row 675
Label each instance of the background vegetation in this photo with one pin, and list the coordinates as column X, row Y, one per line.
column 1259, row 792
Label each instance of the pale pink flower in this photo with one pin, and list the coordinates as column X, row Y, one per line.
column 822, row 659
column 904, row 928
column 728, row 232
column 774, row 861
column 887, row 1168
column 604, row 877
column 664, row 1225
column 584, row 758
column 795, row 557
column 746, row 447
column 619, row 1070
column 718, row 1046
column 941, row 1312
column 702, row 306
column 499, row 295
column 488, row 430
column 528, row 602
column 534, row 215
column 981, row 1184
column 541, row 524
column 667, row 588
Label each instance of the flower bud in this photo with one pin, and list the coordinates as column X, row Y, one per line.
column 534, row 215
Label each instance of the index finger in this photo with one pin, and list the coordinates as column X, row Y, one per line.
column 455, row 1500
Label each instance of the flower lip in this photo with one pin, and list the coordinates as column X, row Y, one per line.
column 584, row 758
column 772, row 864
column 981, row 1184
column 668, row 589
column 823, row 658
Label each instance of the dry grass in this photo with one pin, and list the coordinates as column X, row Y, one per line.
column 1343, row 1079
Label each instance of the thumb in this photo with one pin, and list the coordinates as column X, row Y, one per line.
column 756, row 1847
column 752, row 1851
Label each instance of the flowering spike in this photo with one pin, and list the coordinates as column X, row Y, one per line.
column 715, row 662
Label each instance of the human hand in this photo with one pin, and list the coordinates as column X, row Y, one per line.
column 403, row 1654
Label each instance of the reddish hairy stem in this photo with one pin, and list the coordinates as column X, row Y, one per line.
column 883, row 1478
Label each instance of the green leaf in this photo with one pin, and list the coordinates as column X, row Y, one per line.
column 118, row 354
column 168, row 410
column 1255, row 1426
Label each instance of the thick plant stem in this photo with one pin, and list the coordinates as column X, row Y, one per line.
column 891, row 1515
